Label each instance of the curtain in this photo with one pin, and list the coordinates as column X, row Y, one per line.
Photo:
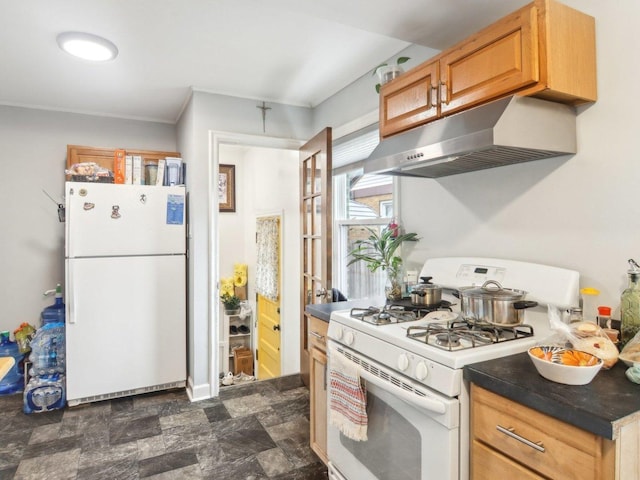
column 268, row 253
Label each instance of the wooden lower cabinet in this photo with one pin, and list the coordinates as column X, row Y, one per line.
column 511, row 439
column 487, row 463
column 318, row 386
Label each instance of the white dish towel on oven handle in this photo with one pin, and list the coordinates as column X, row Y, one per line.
column 347, row 397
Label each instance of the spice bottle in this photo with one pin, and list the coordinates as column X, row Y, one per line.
column 589, row 302
column 630, row 305
column 604, row 317
column 575, row 315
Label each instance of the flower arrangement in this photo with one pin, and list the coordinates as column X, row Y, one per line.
column 227, row 295
column 230, row 302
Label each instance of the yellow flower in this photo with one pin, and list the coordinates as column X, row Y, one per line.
column 240, row 274
column 226, row 286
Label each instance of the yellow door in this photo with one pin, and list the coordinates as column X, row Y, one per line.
column 268, row 338
column 268, row 295
column 315, row 186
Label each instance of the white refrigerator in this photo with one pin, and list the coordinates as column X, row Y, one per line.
column 125, row 276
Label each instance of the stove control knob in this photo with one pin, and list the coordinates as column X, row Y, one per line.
column 422, row 371
column 349, row 337
column 338, row 333
column 403, row 362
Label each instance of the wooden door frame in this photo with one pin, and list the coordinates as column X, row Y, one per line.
column 318, row 143
column 217, row 138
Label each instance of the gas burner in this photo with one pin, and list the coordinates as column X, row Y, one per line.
column 421, row 310
column 383, row 316
column 460, row 334
column 450, row 340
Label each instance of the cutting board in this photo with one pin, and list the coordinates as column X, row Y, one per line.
column 5, row 365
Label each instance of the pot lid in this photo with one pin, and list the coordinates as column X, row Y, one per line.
column 493, row 289
column 426, row 286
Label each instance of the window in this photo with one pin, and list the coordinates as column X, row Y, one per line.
column 359, row 202
column 386, row 208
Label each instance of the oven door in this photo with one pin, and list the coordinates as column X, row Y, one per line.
column 412, row 431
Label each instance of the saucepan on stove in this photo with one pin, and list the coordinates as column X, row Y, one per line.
column 493, row 304
column 426, row 294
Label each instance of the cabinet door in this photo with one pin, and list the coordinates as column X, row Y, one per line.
column 498, row 60
column 410, row 100
column 318, row 402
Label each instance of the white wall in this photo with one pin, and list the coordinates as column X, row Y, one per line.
column 580, row 212
column 34, row 151
column 206, row 113
column 266, row 183
column 360, row 98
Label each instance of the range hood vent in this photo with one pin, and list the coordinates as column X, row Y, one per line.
column 504, row 132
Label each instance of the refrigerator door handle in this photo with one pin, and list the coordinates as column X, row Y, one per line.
column 71, row 298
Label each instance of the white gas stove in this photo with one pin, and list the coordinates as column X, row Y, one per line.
column 425, row 355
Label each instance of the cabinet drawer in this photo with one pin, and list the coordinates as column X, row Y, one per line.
column 538, row 441
column 491, row 465
column 318, row 333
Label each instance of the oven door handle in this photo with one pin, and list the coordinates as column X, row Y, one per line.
column 426, row 403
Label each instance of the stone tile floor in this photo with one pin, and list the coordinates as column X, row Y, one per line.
column 255, row 431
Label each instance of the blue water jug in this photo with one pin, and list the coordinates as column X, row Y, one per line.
column 48, row 350
column 13, row 381
column 44, row 393
column 53, row 313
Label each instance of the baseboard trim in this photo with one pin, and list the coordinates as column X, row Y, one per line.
column 198, row 392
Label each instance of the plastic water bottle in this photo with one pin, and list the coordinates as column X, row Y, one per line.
column 48, row 350
column 53, row 313
column 13, row 381
column 45, row 393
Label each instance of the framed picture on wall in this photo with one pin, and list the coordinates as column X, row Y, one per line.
column 227, row 188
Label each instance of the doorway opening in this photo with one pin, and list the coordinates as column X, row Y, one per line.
column 266, row 173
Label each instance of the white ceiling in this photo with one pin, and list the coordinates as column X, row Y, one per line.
column 296, row 52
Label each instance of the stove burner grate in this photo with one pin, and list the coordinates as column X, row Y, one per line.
column 383, row 316
column 460, row 334
column 396, row 312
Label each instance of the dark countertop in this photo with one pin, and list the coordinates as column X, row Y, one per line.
column 601, row 407
column 323, row 310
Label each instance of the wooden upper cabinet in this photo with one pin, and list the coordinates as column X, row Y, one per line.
column 500, row 59
column 411, row 100
column 545, row 49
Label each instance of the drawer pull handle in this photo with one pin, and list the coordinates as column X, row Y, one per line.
column 316, row 334
column 511, row 433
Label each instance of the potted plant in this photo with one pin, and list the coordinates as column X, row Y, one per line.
column 378, row 251
column 387, row 72
column 231, row 303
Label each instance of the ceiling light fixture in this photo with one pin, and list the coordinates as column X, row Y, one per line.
column 87, row 46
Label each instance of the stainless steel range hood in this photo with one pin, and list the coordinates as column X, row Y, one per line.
column 506, row 131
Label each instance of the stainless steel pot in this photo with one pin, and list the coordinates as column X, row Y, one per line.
column 494, row 304
column 426, row 294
